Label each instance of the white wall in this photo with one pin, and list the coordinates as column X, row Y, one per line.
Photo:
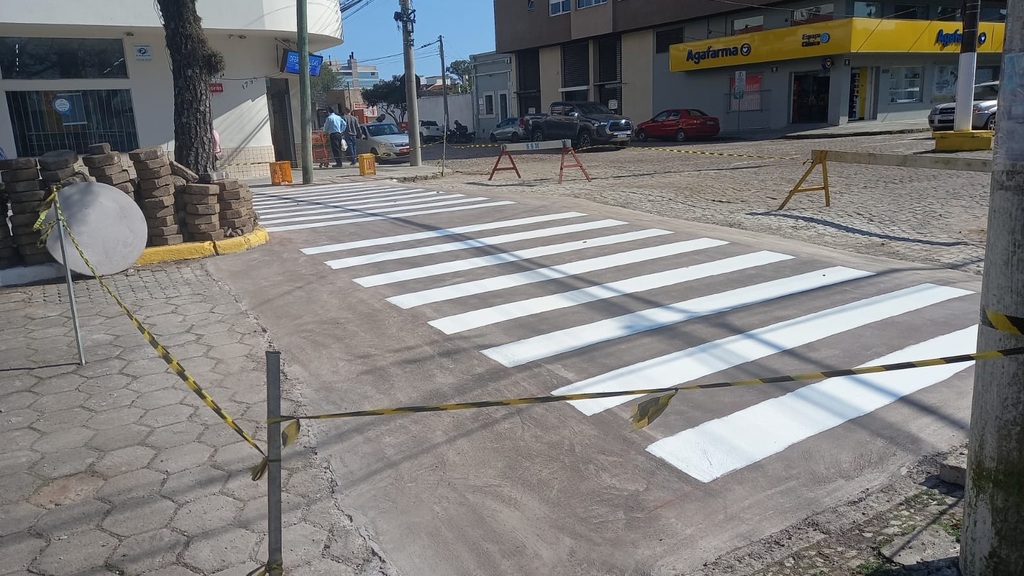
column 460, row 107
column 269, row 16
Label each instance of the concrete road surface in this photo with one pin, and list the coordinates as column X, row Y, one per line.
column 384, row 295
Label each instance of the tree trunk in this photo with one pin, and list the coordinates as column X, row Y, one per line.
column 193, row 64
column 992, row 542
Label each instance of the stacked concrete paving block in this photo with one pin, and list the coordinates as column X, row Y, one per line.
column 202, row 212
column 155, row 195
column 25, row 192
column 236, row 212
column 58, row 167
column 8, row 250
column 106, row 167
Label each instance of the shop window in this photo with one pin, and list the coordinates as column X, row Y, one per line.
column 949, row 14
column 665, row 38
column 560, row 7
column 812, row 14
column 488, row 105
column 581, row 4
column 904, row 84
column 910, row 12
column 993, row 12
column 48, row 120
column 750, row 96
column 576, row 64
column 745, row 25
column 61, row 58
column 867, row 9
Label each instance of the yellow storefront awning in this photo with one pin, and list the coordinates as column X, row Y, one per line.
column 846, row 36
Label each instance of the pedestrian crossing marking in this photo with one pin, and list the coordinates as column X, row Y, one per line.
column 439, row 233
column 495, row 283
column 532, row 306
column 474, row 243
column 277, row 201
column 718, row 447
column 503, row 258
column 337, row 212
column 578, row 337
column 711, row 357
column 327, row 204
column 345, row 221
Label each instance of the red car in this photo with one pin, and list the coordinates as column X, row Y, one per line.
column 678, row 124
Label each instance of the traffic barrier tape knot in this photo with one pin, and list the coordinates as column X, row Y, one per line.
column 176, row 367
column 646, row 412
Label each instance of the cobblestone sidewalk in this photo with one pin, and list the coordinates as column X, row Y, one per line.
column 116, row 467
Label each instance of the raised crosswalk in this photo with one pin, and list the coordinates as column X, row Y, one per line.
column 616, row 306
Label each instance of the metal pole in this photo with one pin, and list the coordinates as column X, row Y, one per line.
column 275, row 558
column 968, row 66
column 408, row 18
column 994, row 502
column 71, row 286
column 444, row 92
column 305, row 106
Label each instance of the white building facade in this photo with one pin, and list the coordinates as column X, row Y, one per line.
column 79, row 72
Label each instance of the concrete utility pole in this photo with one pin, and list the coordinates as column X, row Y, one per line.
column 407, row 17
column 968, row 67
column 444, row 84
column 992, row 541
column 305, row 108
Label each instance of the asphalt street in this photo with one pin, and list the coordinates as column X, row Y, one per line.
column 383, row 295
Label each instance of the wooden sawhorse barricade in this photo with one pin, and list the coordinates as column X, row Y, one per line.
column 821, row 157
column 564, row 145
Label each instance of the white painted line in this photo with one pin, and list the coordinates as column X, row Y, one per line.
column 439, row 233
column 484, row 285
column 339, row 212
column 265, row 199
column 723, row 445
column 475, row 243
column 569, row 339
column 389, row 217
column 330, row 202
column 333, row 196
column 356, row 206
column 494, row 259
column 531, row 306
column 288, row 190
column 712, row 357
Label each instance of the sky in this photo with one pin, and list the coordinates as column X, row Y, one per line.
column 371, row 32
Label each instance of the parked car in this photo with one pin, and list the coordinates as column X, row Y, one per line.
column 430, row 131
column 679, row 124
column 508, row 129
column 586, row 124
column 983, row 111
column 384, row 140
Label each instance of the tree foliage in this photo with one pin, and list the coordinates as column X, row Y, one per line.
column 389, row 96
column 193, row 64
column 322, row 85
column 462, row 73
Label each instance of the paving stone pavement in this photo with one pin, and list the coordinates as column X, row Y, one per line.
column 116, row 467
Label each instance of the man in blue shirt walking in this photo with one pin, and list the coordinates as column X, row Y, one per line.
column 335, row 127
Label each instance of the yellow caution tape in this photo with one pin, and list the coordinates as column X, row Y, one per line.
column 165, row 355
column 648, row 411
column 268, row 569
column 1003, row 322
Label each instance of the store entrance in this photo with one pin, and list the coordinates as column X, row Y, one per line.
column 810, row 98
column 861, row 94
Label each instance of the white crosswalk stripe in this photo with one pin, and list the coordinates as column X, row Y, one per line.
column 513, row 310
column 714, row 448
column 539, row 301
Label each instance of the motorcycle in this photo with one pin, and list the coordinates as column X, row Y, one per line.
column 460, row 135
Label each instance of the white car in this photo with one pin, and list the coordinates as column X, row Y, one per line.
column 384, row 140
column 983, row 111
column 430, row 130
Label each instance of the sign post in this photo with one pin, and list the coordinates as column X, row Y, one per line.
column 739, row 91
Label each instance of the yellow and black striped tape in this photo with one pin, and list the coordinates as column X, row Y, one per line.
column 725, row 154
column 647, row 411
column 1003, row 322
column 165, row 355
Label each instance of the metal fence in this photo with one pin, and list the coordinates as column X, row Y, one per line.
column 48, row 120
column 752, row 112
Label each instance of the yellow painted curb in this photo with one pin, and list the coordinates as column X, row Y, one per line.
column 963, row 141
column 187, row 251
column 257, row 237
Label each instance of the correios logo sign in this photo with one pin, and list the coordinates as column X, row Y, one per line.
column 698, row 56
column 946, row 39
